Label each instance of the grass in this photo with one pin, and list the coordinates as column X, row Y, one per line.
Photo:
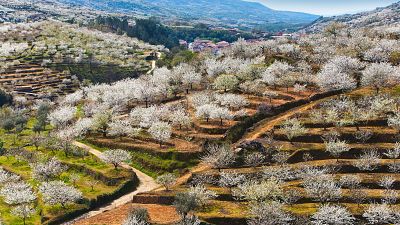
column 223, row 209
column 23, row 169
column 150, row 164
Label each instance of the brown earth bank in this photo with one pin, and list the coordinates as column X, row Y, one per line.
column 159, row 214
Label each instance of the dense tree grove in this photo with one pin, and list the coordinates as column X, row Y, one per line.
column 152, row 31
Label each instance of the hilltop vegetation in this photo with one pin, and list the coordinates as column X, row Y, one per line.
column 47, row 58
column 385, row 16
column 152, row 31
column 232, row 13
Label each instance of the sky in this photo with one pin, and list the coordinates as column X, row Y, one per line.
column 325, row 7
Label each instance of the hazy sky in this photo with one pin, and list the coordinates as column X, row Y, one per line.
column 326, row 7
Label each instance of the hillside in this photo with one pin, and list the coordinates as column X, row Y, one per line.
column 43, row 55
column 235, row 13
column 389, row 15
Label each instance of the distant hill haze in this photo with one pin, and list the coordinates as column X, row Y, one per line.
column 234, row 13
column 382, row 16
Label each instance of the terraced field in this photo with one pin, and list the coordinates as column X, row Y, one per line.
column 305, row 160
column 200, row 133
column 35, row 82
column 22, row 154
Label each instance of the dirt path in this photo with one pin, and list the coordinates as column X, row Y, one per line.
column 153, row 63
column 147, row 183
column 267, row 124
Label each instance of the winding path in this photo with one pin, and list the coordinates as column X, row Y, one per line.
column 153, row 63
column 147, row 183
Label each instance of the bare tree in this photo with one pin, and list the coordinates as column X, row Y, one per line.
column 167, row 180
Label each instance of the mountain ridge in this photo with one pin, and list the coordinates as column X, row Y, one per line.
column 236, row 13
column 381, row 16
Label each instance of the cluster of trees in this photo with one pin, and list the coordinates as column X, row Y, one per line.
column 267, row 197
column 76, row 49
column 5, row 98
column 46, row 171
column 213, row 87
column 152, row 31
column 22, row 196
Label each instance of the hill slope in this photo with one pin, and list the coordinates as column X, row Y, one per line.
column 236, row 13
column 389, row 15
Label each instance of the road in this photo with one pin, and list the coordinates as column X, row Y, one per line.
column 153, row 63
column 147, row 183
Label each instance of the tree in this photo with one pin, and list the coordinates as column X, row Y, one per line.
column 332, row 214
column 221, row 114
column 119, row 128
column 350, row 181
column 73, row 178
column 160, row 131
column 379, row 214
column 219, row 156
column 23, row 211
column 5, row 98
column 254, row 159
column 137, row 216
column 116, row 157
column 50, row 169
column 274, row 73
column 378, row 75
column 393, row 153
column 231, row 179
column 18, row 193
column 368, row 161
column 338, row 73
column 334, row 80
column 189, row 78
column 334, row 28
column 363, row 135
column 36, row 140
column 322, row 187
column 185, row 202
column 57, row 192
column 189, row 220
column 201, row 98
column 358, row 196
column 281, row 157
column 270, row 95
column 83, row 126
column 293, row 128
column 300, row 88
column 101, row 121
column 167, row 180
column 62, row 116
column 386, row 182
column 201, row 194
column 91, row 183
column 225, row 82
column 8, row 124
column 336, row 148
column 180, row 118
column 394, row 121
column 7, row 177
column 265, row 190
column 205, row 111
column 231, row 101
column 269, row 213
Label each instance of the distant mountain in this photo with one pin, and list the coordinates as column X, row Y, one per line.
column 235, row 13
column 389, row 15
